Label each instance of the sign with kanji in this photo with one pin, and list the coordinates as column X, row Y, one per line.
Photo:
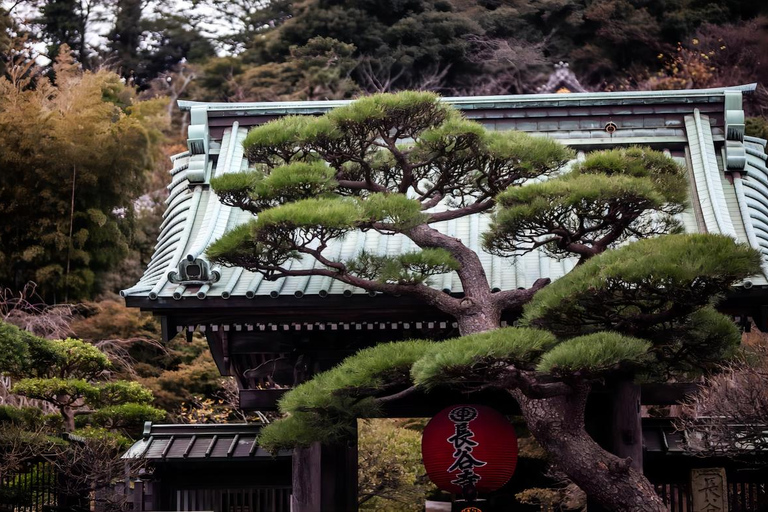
column 709, row 489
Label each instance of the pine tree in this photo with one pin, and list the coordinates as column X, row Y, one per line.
column 401, row 163
column 73, row 376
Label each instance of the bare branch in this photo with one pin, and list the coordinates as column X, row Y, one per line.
column 397, row 396
column 514, row 299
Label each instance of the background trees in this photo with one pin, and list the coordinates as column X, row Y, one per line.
column 98, row 413
column 400, row 164
column 727, row 416
column 71, row 375
column 72, row 153
column 455, row 46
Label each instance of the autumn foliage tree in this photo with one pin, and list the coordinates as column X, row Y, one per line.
column 74, row 154
column 402, row 164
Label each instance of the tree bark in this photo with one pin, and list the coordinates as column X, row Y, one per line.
column 68, row 416
column 558, row 425
column 480, row 320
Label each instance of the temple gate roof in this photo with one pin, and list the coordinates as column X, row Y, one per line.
column 701, row 129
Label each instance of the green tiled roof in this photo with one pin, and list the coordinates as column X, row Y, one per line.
column 702, row 129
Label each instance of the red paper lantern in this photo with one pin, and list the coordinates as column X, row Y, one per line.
column 469, row 445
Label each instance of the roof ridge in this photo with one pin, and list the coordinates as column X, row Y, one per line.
column 518, row 98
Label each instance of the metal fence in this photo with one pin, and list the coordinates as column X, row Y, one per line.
column 31, row 491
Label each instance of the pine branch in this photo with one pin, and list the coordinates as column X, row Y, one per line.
column 515, row 299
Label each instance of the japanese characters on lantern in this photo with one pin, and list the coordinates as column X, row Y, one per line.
column 469, row 449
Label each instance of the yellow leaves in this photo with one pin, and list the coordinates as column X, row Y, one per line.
column 85, row 129
column 204, row 410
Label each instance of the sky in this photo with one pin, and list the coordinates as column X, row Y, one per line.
column 103, row 19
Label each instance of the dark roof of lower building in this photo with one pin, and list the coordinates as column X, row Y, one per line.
column 200, row 442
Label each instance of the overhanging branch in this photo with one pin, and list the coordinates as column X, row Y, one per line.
column 515, row 299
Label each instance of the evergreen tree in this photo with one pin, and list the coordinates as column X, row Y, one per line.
column 5, row 38
column 126, row 35
column 400, row 164
column 66, row 22
column 97, row 416
column 72, row 376
column 169, row 39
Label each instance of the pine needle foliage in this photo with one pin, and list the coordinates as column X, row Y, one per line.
column 303, row 429
column 122, row 416
column 396, row 210
column 369, row 368
column 481, row 357
column 693, row 345
column 381, row 113
column 334, row 214
column 406, row 268
column 594, row 354
column 74, row 377
column 642, row 284
column 382, row 162
column 607, row 198
column 256, row 191
column 326, row 407
column 242, row 245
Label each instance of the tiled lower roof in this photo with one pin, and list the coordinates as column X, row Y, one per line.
column 735, row 204
column 199, row 442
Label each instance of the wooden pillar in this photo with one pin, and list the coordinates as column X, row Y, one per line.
column 325, row 478
column 145, row 496
column 613, row 421
column 626, row 427
column 138, row 496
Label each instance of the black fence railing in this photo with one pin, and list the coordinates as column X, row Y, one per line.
column 748, row 496
column 252, row 499
column 33, row 490
column 677, row 496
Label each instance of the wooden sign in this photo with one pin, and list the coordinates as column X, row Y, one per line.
column 709, row 489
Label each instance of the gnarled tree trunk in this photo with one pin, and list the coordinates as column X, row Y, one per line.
column 558, row 425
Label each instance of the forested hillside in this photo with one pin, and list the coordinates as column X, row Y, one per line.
column 315, row 49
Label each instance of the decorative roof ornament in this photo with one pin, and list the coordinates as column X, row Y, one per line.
column 735, row 152
column 561, row 81
column 194, row 271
